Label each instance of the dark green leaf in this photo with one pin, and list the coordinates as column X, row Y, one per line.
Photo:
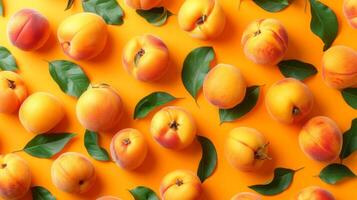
column 69, row 77
column 69, row 4
column 349, row 140
column 48, row 144
column 110, row 10
column 195, row 68
column 156, row 16
column 283, row 178
column 296, row 69
column 41, row 193
column 323, row 22
column 1, row 8
column 350, row 96
column 334, row 173
column 7, row 60
column 272, row 5
column 208, row 160
column 248, row 103
column 93, row 148
column 143, row 193
column 150, row 102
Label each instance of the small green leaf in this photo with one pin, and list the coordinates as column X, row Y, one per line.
column 93, row 148
column 349, row 140
column 350, row 96
column 156, row 16
column 283, row 178
column 272, row 5
column 69, row 77
column 7, row 60
column 150, row 102
column 69, row 4
column 208, row 160
column 248, row 103
column 195, row 68
column 323, row 23
column 296, row 69
column 41, row 193
column 109, row 10
column 335, row 172
column 48, row 144
column 143, row 193
column 1, row 8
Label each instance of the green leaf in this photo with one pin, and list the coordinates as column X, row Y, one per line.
column 7, row 60
column 296, row 69
column 335, row 172
column 48, row 144
column 156, row 16
column 283, row 178
column 323, row 23
column 1, row 8
column 350, row 96
column 109, row 10
column 208, row 160
column 69, row 4
column 93, row 148
column 143, row 193
column 150, row 102
column 195, row 68
column 248, row 103
column 69, row 77
column 349, row 140
column 272, row 5
column 41, row 193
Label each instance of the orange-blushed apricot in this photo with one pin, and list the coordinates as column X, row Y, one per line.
column 350, row 12
column 13, row 92
column 314, row 193
column 143, row 4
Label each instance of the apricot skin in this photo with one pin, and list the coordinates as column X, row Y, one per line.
column 99, row 108
column 265, row 41
column 224, row 86
column 289, row 101
column 246, row 196
column 28, row 29
column 143, row 4
column 12, row 92
column 339, row 67
column 15, row 177
column 83, row 36
column 314, row 193
column 174, row 128
column 108, row 198
column 246, row 149
column 181, row 184
column 350, row 12
column 203, row 19
column 128, row 148
column 73, row 173
column 146, row 58
column 41, row 112
column 321, row 139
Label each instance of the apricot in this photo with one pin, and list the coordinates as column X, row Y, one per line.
column 321, row 139
column 314, row 193
column 339, row 67
column 173, row 127
column 12, row 91
column 83, row 36
column 246, row 148
column 28, row 29
column 143, row 4
column 15, row 177
column 181, row 184
column 224, row 86
column 350, row 12
column 99, row 108
column 246, row 196
column 41, row 112
column 289, row 100
column 265, row 41
column 146, row 58
column 203, row 19
column 73, row 173
column 108, row 198
column 128, row 148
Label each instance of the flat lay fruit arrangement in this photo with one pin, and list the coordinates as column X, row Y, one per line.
column 178, row 100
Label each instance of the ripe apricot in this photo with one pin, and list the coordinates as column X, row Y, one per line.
column 350, row 12
column 12, row 92
column 314, row 193
column 143, row 4
column 246, row 196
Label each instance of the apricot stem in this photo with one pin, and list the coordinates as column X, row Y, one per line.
column 11, row 84
column 138, row 55
column 3, row 166
column 179, row 182
column 174, row 125
column 260, row 153
column 201, row 20
column 296, row 111
column 81, row 182
column 126, row 141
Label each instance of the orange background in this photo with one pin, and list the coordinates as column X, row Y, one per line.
column 226, row 181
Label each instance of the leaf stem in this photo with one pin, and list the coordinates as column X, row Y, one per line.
column 299, row 169
column 17, row 151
